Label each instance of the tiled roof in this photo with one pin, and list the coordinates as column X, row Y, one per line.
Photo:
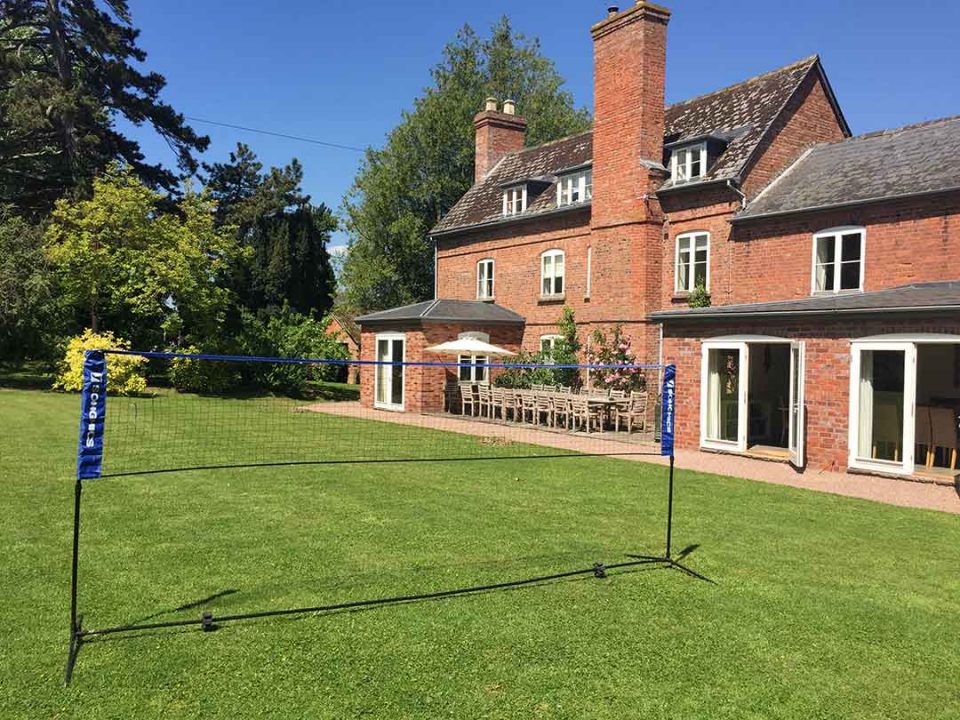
column 907, row 161
column 934, row 296
column 484, row 201
column 472, row 311
column 348, row 325
column 741, row 112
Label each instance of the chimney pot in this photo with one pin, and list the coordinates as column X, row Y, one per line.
column 509, row 107
column 491, row 105
column 612, row 10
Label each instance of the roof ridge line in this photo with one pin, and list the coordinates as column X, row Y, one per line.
column 890, row 131
column 549, row 142
column 809, row 59
column 748, row 160
column 786, row 171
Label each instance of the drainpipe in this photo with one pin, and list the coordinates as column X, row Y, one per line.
column 743, row 198
column 436, row 279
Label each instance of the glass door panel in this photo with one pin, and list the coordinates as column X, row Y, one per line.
column 725, row 406
column 388, row 392
column 883, row 406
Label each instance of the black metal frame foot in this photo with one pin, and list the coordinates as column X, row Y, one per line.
column 76, row 638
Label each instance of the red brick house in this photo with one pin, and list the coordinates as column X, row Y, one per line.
column 833, row 336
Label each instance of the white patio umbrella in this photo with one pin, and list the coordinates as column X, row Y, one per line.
column 469, row 346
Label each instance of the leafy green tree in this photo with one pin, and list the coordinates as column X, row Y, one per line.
column 140, row 269
column 289, row 264
column 31, row 312
column 68, row 72
column 403, row 189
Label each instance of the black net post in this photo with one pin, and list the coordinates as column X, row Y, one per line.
column 74, row 646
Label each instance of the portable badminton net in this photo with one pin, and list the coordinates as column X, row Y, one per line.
column 234, row 412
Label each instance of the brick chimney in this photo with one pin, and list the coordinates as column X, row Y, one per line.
column 498, row 133
column 629, row 59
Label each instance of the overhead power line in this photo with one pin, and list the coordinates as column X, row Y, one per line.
column 299, row 138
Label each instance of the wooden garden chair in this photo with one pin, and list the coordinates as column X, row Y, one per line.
column 943, row 435
column 545, row 410
column 484, row 400
column 635, row 411
column 468, row 399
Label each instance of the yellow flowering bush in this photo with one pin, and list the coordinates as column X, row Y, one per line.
column 124, row 375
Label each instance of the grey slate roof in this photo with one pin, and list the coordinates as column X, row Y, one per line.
column 463, row 311
column 878, row 166
column 919, row 297
column 743, row 113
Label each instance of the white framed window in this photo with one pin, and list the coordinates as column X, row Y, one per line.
column 473, row 368
column 575, row 188
column 515, row 200
column 693, row 261
column 838, row 260
column 548, row 343
column 485, row 279
column 551, row 273
column 688, row 163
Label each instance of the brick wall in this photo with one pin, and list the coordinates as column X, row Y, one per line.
column 808, row 119
column 827, row 384
column 623, row 273
column 912, row 240
column 497, row 134
column 423, row 386
column 629, row 64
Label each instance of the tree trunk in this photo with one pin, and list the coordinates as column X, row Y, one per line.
column 65, row 76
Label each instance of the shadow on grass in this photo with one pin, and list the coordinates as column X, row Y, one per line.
column 209, row 623
column 367, row 605
column 28, row 375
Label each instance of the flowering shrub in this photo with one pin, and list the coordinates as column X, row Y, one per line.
column 523, row 378
column 123, row 371
column 614, row 350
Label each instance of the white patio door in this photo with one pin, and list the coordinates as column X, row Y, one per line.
column 883, row 399
column 388, row 391
column 796, row 414
column 723, row 396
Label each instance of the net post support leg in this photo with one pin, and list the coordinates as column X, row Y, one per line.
column 75, row 619
column 670, row 510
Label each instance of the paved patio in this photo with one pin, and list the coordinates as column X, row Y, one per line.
column 905, row 493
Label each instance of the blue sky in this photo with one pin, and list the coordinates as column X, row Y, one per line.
column 343, row 71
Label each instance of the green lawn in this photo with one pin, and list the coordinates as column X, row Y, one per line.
column 824, row 607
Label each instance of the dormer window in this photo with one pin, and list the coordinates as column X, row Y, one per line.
column 688, row 163
column 575, row 188
column 515, row 200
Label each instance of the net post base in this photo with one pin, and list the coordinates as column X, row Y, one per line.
column 76, row 639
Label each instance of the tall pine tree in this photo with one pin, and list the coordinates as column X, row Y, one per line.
column 66, row 75
column 288, row 235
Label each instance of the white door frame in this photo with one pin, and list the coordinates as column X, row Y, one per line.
column 796, row 410
column 389, row 337
column 741, row 343
column 906, row 464
column 740, row 445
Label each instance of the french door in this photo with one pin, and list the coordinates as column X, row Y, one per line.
column 725, row 394
column 388, row 388
column 723, row 402
column 883, row 400
column 796, row 414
